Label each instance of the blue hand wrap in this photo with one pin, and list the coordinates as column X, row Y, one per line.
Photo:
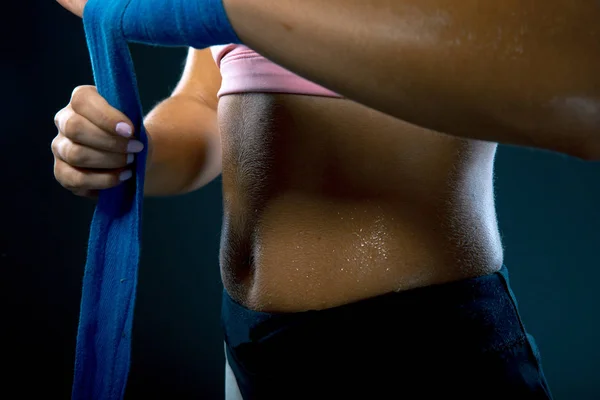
column 103, row 349
column 193, row 23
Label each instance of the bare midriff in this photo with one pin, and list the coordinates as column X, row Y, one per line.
column 328, row 202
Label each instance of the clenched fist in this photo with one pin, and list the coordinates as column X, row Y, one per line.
column 94, row 146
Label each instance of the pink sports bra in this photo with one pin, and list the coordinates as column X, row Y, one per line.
column 243, row 71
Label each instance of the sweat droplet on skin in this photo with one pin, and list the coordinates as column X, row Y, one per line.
column 369, row 247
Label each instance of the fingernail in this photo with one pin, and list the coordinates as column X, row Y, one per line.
column 134, row 146
column 124, row 129
column 129, row 158
column 125, row 175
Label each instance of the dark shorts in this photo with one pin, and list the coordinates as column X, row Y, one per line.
column 457, row 340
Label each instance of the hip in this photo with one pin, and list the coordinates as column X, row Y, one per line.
column 464, row 338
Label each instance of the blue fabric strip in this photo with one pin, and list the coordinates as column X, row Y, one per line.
column 102, row 355
column 103, row 349
column 194, row 23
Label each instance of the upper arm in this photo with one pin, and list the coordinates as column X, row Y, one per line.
column 201, row 78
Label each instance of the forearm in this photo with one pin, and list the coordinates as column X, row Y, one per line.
column 511, row 71
column 185, row 146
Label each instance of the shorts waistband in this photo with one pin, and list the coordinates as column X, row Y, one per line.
column 481, row 311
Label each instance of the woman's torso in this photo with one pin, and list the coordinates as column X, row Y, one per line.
column 328, row 202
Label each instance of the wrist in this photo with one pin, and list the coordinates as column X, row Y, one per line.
column 193, row 23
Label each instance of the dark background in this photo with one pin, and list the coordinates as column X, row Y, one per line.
column 548, row 207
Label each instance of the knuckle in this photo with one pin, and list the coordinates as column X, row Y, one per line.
column 76, row 180
column 54, row 145
column 57, row 172
column 64, row 176
column 57, row 118
column 80, row 96
column 72, row 126
column 59, row 145
column 76, row 155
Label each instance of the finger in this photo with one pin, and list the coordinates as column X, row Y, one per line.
column 77, row 179
column 81, row 156
column 82, row 131
column 87, row 102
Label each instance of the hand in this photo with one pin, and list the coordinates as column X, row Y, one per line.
column 75, row 6
column 94, row 145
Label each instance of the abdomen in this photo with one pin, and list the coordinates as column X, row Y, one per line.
column 328, row 202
